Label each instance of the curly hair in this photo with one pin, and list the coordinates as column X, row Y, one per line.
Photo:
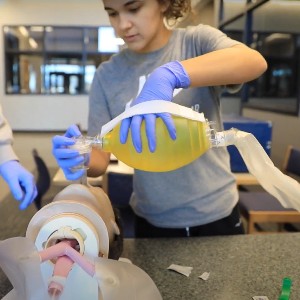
column 176, row 9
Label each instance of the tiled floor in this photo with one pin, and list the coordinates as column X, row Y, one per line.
column 24, row 142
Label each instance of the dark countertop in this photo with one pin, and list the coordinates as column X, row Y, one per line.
column 240, row 266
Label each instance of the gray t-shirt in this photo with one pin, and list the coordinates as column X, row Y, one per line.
column 201, row 192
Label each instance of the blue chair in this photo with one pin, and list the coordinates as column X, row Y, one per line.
column 261, row 207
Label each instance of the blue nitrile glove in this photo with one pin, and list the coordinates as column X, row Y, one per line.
column 68, row 158
column 159, row 86
column 20, row 181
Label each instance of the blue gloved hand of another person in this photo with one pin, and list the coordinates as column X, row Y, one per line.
column 20, row 181
column 159, row 86
column 68, row 158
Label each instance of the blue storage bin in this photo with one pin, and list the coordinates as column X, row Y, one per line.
column 262, row 130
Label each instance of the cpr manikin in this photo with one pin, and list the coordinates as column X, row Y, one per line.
column 71, row 251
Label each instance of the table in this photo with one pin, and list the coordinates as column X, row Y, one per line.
column 118, row 167
column 240, row 266
column 245, row 179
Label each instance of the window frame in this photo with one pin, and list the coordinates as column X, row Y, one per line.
column 13, row 56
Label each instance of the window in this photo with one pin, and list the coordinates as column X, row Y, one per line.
column 272, row 28
column 55, row 59
column 278, row 88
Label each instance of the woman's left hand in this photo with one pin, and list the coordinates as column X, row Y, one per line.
column 159, row 86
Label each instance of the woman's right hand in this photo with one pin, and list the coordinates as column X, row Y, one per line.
column 68, row 158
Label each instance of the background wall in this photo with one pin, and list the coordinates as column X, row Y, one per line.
column 42, row 112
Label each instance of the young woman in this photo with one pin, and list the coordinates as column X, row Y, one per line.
column 188, row 66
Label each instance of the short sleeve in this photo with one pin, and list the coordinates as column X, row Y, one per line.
column 98, row 109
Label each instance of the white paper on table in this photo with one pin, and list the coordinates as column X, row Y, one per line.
column 204, row 276
column 184, row 270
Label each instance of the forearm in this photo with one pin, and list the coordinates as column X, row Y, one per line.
column 233, row 65
column 98, row 162
column 7, row 153
column 6, row 139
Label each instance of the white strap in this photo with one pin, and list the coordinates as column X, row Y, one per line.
column 153, row 107
column 259, row 164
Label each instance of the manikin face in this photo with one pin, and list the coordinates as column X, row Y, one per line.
column 139, row 23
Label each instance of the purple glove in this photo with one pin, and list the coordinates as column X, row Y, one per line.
column 68, row 158
column 20, row 181
column 159, row 86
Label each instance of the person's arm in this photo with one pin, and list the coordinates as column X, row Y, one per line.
column 228, row 66
column 20, row 181
column 234, row 65
column 6, row 139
